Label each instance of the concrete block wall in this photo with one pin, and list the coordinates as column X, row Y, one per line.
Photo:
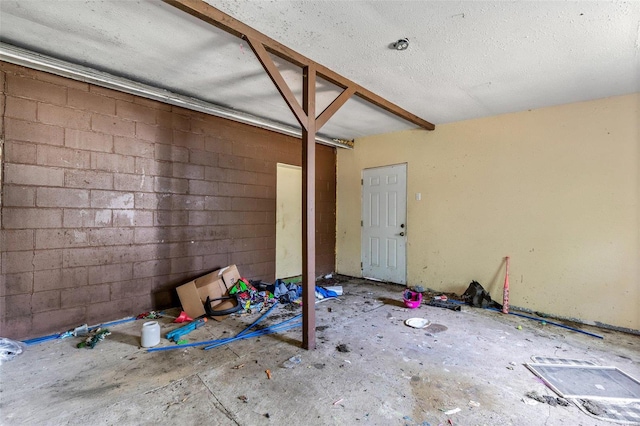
column 109, row 201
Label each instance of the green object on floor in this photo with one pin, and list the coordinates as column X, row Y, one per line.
column 292, row 280
column 182, row 342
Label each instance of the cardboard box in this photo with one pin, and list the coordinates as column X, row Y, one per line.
column 194, row 294
column 230, row 275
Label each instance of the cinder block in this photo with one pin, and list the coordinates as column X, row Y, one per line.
column 76, row 257
column 149, row 235
column 131, row 289
column 63, row 116
column 132, row 218
column 175, row 186
column 231, row 190
column 27, row 218
column 17, row 152
column 110, row 236
column 15, row 240
column 86, row 218
column 202, row 187
column 14, row 262
column 112, row 163
column 85, row 296
column 88, row 179
column 47, row 259
column 186, row 264
column 149, row 167
column 218, row 145
column 188, row 140
column 90, row 101
column 188, row 171
column 151, row 268
column 19, row 196
column 62, row 197
column 111, row 199
column 38, row 90
column 17, row 305
column 160, row 134
column 33, row 175
column 171, row 218
column 21, row 283
column 112, row 125
column 22, row 109
column 90, row 141
column 63, row 157
column 133, row 147
column 217, row 203
column 44, row 301
column 231, row 162
column 181, row 202
column 199, row 218
column 203, row 158
column 141, row 183
column 171, row 153
column 29, row 131
column 135, row 112
column 147, row 201
column 60, row 278
column 110, row 273
column 59, row 238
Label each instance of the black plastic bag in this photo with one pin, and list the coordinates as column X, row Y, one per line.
column 478, row 297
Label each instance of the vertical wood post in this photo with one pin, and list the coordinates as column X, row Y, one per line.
column 309, row 209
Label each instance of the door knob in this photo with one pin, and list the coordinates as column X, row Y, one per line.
column 401, row 234
column 402, row 225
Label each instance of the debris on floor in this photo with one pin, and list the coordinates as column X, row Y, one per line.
column 149, row 315
column 292, row 362
column 177, row 334
column 9, row 349
column 446, row 304
column 417, row 322
column 183, row 317
column 343, row 348
column 412, row 299
column 546, row 399
column 97, row 337
column 593, row 407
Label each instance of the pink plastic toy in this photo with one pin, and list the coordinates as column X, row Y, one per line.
column 412, row 300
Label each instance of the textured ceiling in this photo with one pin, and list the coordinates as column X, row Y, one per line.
column 465, row 59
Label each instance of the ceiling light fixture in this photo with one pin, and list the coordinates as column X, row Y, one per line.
column 401, row 44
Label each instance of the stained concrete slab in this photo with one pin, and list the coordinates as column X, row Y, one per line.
column 391, row 374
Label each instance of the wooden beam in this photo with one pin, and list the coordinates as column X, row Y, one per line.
column 309, row 209
column 219, row 19
column 282, row 86
column 334, row 107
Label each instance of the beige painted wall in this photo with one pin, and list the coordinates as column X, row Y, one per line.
column 288, row 221
column 557, row 189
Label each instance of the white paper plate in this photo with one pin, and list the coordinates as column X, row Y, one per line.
column 417, row 322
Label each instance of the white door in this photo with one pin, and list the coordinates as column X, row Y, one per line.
column 384, row 229
column 288, row 221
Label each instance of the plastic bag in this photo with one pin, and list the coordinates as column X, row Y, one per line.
column 9, row 349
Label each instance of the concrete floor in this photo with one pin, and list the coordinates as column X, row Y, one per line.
column 393, row 374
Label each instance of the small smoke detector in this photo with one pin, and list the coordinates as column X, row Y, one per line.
column 401, row 44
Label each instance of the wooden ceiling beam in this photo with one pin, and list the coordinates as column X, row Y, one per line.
column 275, row 76
column 334, row 107
column 219, row 19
